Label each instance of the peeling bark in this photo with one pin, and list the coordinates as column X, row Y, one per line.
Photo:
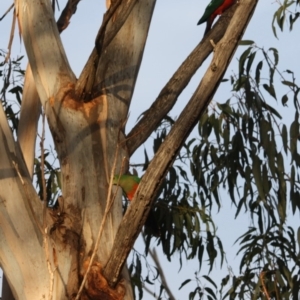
column 29, row 116
column 86, row 136
column 20, row 214
column 31, row 106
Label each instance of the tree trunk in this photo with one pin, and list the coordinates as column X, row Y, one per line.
column 46, row 254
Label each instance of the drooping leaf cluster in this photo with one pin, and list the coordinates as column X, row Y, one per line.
column 183, row 225
column 287, row 10
column 247, row 151
column 177, row 222
column 52, row 177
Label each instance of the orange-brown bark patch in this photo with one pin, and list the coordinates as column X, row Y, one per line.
column 96, row 286
column 67, row 98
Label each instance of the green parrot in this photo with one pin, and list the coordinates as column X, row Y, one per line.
column 214, row 8
column 128, row 183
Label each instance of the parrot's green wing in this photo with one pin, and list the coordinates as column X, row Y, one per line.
column 212, row 6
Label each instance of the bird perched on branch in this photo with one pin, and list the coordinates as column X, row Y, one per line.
column 128, row 183
column 214, row 8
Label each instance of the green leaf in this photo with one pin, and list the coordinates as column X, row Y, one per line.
column 146, row 163
column 210, row 291
column 284, row 137
column 270, row 89
column 242, row 60
column 298, row 238
column 257, row 177
column 250, row 61
column 184, row 283
column 246, row 43
column 257, row 72
column 284, row 100
column 289, row 83
column 266, row 185
column 210, row 280
column 294, row 132
column 200, row 252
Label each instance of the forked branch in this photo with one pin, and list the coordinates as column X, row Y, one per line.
column 113, row 20
column 178, row 82
column 138, row 211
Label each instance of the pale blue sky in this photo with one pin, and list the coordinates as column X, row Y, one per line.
column 173, row 35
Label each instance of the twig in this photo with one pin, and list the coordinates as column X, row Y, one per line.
column 149, row 291
column 261, row 276
column 18, row 172
column 11, row 37
column 8, row 10
column 109, row 203
column 154, row 256
column 42, row 171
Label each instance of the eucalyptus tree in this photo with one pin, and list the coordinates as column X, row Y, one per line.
column 78, row 249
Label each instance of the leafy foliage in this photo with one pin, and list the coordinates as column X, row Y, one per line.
column 243, row 148
column 12, row 80
column 52, row 176
column 288, row 10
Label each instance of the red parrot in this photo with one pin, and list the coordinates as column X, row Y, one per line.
column 214, row 8
column 129, row 184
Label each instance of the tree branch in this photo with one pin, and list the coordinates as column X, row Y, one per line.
column 46, row 55
column 31, row 106
column 11, row 159
column 66, row 15
column 169, row 94
column 154, row 256
column 138, row 211
column 120, row 10
column 7, row 11
column 20, row 214
column 28, row 123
